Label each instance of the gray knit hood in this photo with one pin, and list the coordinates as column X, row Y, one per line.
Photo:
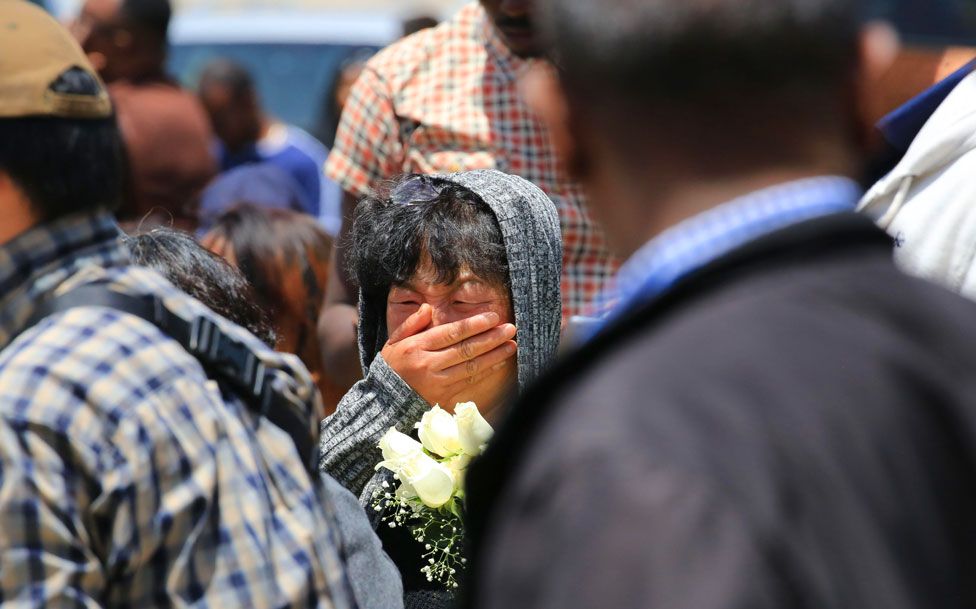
column 530, row 228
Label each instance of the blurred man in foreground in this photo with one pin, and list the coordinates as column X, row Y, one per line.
column 138, row 468
column 442, row 101
column 167, row 135
column 775, row 416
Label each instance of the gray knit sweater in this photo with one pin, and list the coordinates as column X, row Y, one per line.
column 530, row 227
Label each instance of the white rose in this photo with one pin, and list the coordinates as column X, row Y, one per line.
column 432, row 482
column 405, row 491
column 439, row 432
column 459, row 468
column 473, row 430
column 397, row 448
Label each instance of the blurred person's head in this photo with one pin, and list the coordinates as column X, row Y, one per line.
column 203, row 275
column 346, row 77
column 285, row 257
column 514, row 21
column 60, row 148
column 125, row 39
column 228, row 94
column 417, row 24
column 682, row 101
column 465, row 244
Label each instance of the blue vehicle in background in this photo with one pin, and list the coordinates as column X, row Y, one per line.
column 294, row 57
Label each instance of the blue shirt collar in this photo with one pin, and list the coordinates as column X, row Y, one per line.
column 699, row 240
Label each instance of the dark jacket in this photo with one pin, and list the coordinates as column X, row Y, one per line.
column 792, row 426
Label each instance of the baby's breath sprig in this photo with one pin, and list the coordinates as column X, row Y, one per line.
column 440, row 531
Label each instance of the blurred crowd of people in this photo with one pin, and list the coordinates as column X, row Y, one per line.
column 705, row 266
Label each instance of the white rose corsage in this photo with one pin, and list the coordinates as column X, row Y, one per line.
column 430, row 497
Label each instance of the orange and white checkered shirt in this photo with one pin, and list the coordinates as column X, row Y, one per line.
column 446, row 100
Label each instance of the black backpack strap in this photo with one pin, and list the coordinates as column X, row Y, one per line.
column 224, row 357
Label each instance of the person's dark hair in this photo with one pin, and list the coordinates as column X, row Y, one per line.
column 273, row 248
column 228, row 74
column 203, row 275
column 63, row 165
column 420, row 216
column 285, row 255
column 701, row 53
column 418, row 24
column 153, row 16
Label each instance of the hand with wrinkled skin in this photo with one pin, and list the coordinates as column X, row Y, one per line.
column 467, row 360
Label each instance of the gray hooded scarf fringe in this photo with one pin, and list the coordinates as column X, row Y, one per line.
column 530, row 228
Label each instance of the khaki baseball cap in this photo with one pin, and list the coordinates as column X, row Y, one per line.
column 35, row 50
